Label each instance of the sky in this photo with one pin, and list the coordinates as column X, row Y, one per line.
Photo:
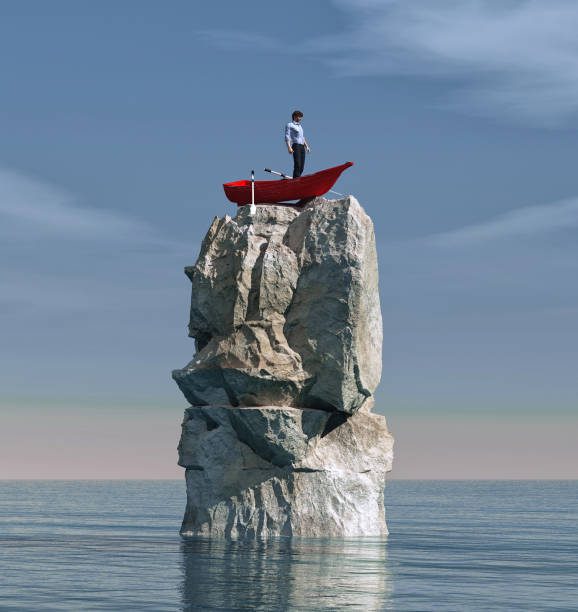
column 121, row 120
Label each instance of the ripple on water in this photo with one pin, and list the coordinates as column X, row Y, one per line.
column 113, row 545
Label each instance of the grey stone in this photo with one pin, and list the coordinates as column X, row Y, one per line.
column 280, row 439
column 285, row 309
column 270, row 471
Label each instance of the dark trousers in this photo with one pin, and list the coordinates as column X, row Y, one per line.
column 298, row 159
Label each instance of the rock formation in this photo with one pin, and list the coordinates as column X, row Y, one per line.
column 279, row 438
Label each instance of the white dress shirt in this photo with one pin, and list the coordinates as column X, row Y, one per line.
column 294, row 133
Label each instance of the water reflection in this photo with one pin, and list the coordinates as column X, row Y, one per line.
column 283, row 574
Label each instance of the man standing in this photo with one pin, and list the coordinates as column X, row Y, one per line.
column 296, row 143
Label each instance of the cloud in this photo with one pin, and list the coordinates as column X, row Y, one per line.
column 57, row 255
column 513, row 58
column 521, row 261
column 34, row 209
column 518, row 223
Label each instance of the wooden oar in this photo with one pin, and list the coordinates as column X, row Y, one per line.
column 288, row 177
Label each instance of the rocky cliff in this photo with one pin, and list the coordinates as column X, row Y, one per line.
column 279, row 439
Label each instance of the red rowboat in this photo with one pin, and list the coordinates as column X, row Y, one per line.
column 307, row 186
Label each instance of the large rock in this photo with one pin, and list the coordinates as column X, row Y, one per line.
column 284, row 471
column 285, row 309
column 280, row 439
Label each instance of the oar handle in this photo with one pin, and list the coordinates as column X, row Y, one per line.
column 277, row 173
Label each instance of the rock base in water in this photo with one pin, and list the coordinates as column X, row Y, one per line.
column 271, row 471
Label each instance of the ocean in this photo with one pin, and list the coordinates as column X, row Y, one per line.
column 454, row 545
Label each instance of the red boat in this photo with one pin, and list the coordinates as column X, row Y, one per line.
column 273, row 192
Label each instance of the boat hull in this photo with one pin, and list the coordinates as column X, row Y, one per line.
column 276, row 192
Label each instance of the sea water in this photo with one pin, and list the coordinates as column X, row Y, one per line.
column 454, row 545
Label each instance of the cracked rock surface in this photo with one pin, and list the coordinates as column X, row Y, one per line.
column 285, row 309
column 280, row 439
column 258, row 472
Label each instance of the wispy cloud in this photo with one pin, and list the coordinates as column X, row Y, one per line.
column 37, row 209
column 57, row 255
column 523, row 261
column 521, row 222
column 514, row 58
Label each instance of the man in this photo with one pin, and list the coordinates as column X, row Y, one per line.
column 296, row 143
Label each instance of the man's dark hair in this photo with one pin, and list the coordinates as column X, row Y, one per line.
column 296, row 114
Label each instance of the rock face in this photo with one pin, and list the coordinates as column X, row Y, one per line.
column 285, row 309
column 284, row 471
column 279, row 439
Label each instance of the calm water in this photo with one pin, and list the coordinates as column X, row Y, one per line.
column 460, row 546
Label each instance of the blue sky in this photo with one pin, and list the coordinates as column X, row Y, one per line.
column 121, row 120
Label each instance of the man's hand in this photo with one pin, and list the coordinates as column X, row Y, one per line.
column 308, row 149
column 290, row 150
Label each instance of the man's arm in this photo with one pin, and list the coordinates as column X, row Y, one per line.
column 288, row 139
column 306, row 146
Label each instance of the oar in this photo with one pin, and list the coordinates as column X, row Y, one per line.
column 253, row 208
column 277, row 173
column 288, row 177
